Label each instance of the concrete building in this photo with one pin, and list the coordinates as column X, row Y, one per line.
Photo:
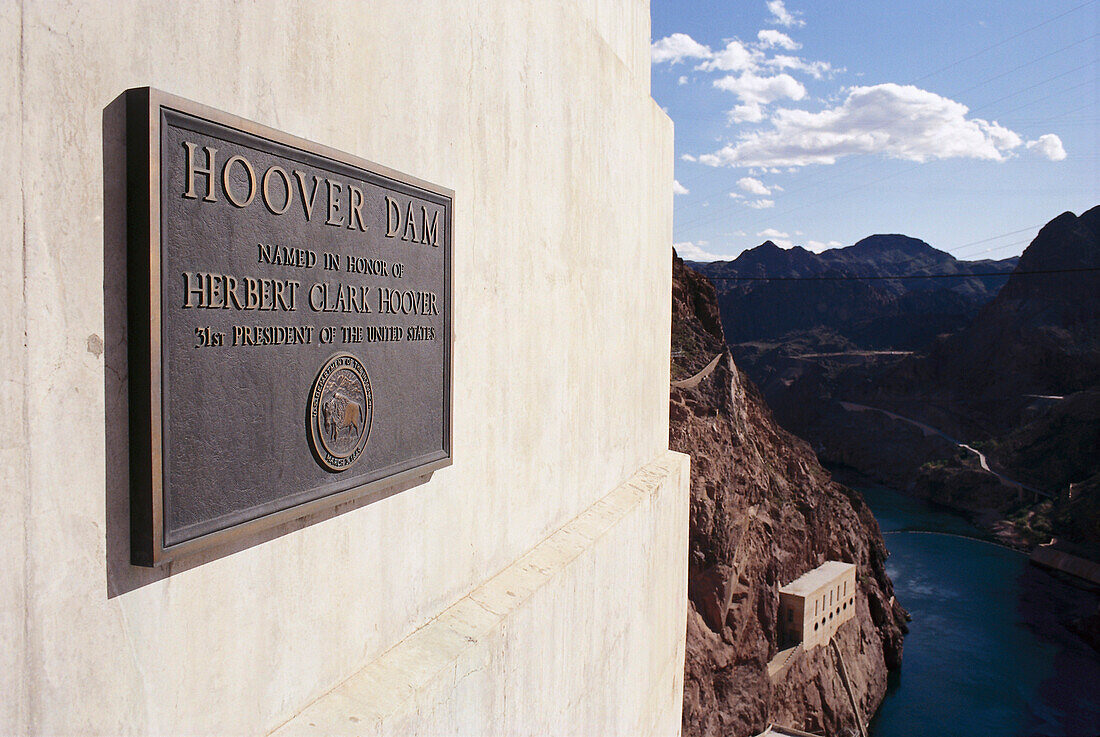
column 815, row 604
column 537, row 585
column 777, row 730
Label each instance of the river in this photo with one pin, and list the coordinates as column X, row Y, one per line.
column 987, row 652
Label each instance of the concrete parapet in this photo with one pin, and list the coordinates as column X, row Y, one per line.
column 608, row 663
column 538, row 116
column 1067, row 563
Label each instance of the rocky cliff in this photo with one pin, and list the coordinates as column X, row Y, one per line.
column 1040, row 336
column 763, row 512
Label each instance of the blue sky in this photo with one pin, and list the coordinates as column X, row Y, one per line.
column 966, row 124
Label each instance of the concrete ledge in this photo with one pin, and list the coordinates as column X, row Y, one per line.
column 583, row 634
column 1067, row 563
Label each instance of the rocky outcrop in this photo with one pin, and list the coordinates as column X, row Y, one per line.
column 1089, row 629
column 763, row 512
column 1040, row 336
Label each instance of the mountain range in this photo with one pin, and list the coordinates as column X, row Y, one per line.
column 1016, row 374
column 847, row 295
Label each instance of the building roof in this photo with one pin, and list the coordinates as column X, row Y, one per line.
column 775, row 730
column 810, row 582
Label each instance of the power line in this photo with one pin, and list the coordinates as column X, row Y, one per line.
column 974, row 253
column 1038, row 84
column 1047, row 97
column 982, row 255
column 903, row 276
column 972, row 87
column 707, row 217
column 718, row 212
column 995, row 237
column 1003, row 41
column 954, row 94
column 1025, row 64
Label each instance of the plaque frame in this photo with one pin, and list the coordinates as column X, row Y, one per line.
column 144, row 335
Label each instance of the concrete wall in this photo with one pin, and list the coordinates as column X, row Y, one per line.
column 819, row 611
column 538, row 115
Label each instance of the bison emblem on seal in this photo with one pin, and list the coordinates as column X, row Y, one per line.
column 340, row 408
column 341, row 413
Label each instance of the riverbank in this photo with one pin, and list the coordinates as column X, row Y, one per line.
column 991, row 524
column 990, row 649
column 969, row 523
column 1028, row 487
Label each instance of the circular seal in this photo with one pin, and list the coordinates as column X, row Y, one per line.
column 340, row 409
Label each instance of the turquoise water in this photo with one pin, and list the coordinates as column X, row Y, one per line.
column 987, row 652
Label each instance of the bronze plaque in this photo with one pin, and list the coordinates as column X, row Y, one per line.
column 289, row 314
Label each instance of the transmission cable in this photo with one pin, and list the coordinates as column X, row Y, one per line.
column 899, row 277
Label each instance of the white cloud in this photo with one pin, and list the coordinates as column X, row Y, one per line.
column 900, row 122
column 748, row 113
column 693, row 252
column 738, row 56
column 735, row 57
column 755, row 92
column 678, row 188
column 761, row 204
column 816, row 69
column 782, row 16
column 818, row 246
column 676, row 48
column 687, row 157
column 770, row 37
column 737, row 195
column 778, row 237
column 1048, row 145
column 753, row 186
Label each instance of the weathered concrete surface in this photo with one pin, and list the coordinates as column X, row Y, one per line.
column 539, row 117
column 13, row 443
column 621, row 674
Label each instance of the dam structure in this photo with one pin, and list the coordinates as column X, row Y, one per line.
column 431, row 492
